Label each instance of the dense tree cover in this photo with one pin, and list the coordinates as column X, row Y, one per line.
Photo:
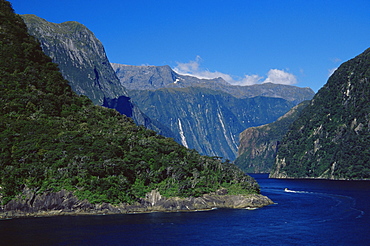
column 53, row 139
column 331, row 138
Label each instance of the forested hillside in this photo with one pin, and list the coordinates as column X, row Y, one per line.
column 331, row 137
column 53, row 139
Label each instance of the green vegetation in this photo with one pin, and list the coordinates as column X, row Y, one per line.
column 53, row 139
column 331, row 138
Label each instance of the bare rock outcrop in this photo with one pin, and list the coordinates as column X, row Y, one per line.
column 32, row 203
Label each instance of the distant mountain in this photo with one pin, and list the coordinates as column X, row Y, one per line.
column 331, row 137
column 258, row 145
column 158, row 77
column 206, row 114
column 207, row 120
column 83, row 62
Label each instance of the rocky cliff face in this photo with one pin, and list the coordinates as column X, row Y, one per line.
column 207, row 120
column 331, row 137
column 258, row 145
column 83, row 62
column 32, row 203
column 80, row 56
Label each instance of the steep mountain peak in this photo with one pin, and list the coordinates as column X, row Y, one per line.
column 51, row 29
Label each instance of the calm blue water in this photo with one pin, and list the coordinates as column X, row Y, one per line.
column 316, row 212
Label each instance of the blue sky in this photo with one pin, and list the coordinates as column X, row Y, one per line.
column 296, row 42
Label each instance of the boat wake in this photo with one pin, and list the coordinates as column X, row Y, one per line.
column 295, row 191
column 341, row 200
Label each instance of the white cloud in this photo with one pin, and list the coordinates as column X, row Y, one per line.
column 275, row 76
column 188, row 68
column 249, row 80
column 331, row 71
column 193, row 68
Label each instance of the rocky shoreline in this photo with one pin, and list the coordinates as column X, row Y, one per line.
column 32, row 204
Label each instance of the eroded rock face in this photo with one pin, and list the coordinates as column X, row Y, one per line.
column 63, row 202
column 29, row 202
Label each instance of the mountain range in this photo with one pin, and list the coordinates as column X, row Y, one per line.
column 159, row 77
column 203, row 114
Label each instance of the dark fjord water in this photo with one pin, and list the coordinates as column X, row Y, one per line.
column 312, row 212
